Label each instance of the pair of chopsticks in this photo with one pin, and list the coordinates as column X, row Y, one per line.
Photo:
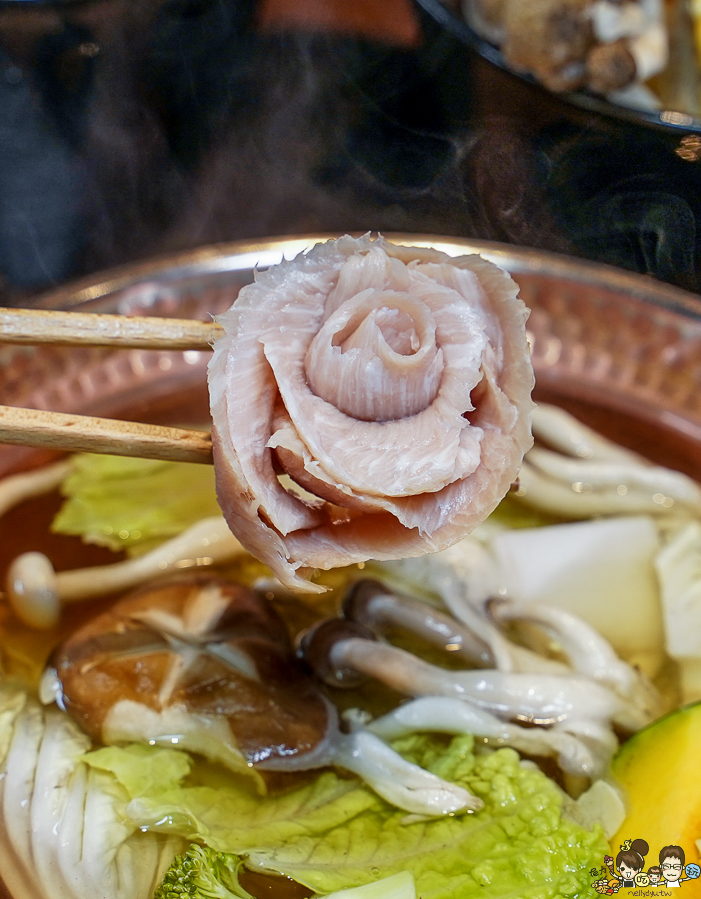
column 82, row 433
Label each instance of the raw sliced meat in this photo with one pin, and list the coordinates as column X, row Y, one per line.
column 369, row 401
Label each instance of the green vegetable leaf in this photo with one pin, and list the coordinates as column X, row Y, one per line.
column 133, row 504
column 142, row 770
column 334, row 833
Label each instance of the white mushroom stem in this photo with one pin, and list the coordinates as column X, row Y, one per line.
column 535, row 698
column 565, row 433
column 37, row 593
column 575, row 498
column 590, row 655
column 32, row 590
column 636, row 480
column 398, row 781
column 590, row 475
column 465, row 576
column 17, row 488
column 596, row 734
column 502, row 650
column 588, row 652
column 452, row 716
column 377, row 608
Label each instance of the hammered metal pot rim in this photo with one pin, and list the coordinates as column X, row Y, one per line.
column 601, row 337
column 241, row 255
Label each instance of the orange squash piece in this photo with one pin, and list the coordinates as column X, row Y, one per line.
column 660, row 769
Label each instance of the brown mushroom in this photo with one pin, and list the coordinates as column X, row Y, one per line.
column 177, row 661
column 610, row 67
column 549, row 38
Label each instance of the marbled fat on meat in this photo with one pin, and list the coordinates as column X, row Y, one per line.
column 392, row 384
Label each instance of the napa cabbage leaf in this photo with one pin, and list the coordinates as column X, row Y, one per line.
column 333, row 833
column 64, row 832
column 133, row 504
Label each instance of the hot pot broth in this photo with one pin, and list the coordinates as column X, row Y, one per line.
column 171, row 391
column 27, row 527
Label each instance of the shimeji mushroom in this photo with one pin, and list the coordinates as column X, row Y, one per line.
column 36, row 591
column 575, row 705
column 474, row 638
column 602, row 571
column 584, row 650
column 578, row 751
column 17, row 488
column 590, row 655
column 340, row 651
column 370, row 603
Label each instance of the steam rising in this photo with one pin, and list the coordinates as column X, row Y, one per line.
column 190, row 125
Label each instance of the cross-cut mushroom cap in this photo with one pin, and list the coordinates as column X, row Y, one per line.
column 211, row 648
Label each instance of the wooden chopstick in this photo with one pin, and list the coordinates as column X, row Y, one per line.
column 32, row 326
column 83, row 433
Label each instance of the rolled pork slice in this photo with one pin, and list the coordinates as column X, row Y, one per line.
column 369, row 401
